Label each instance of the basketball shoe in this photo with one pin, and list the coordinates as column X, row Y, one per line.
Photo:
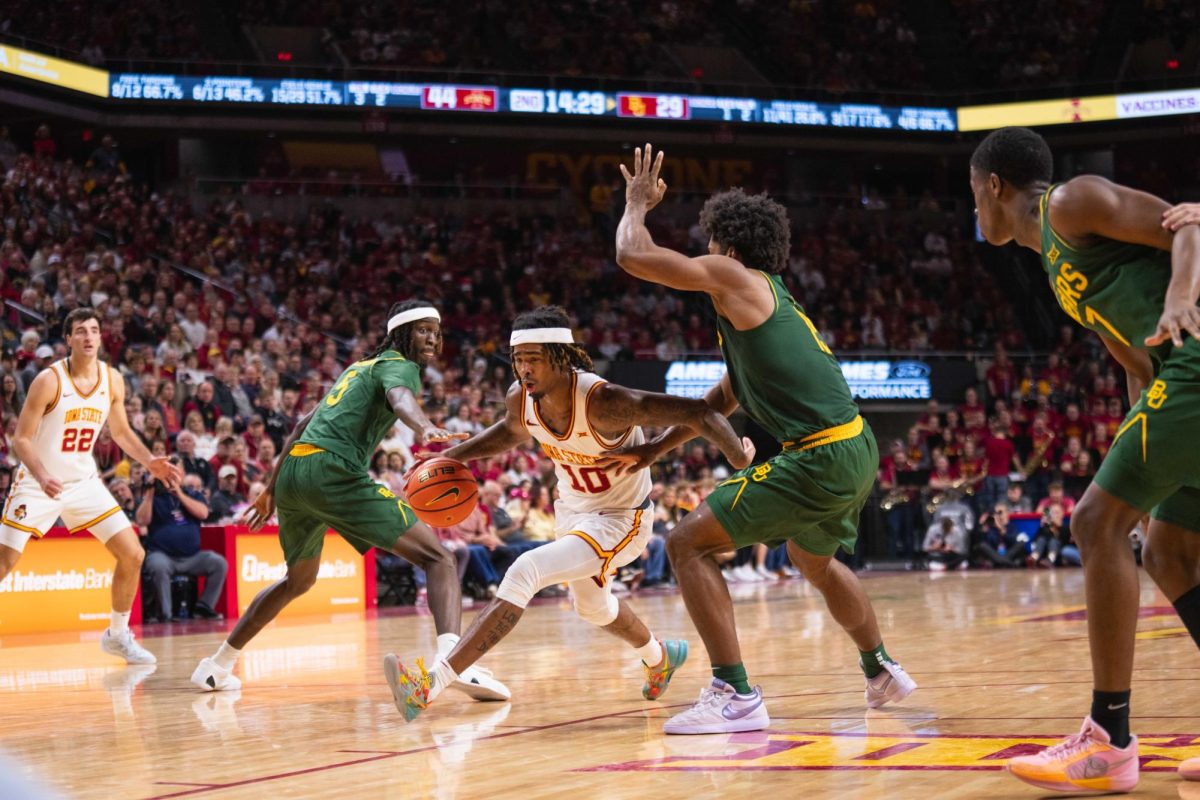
column 721, row 710
column 890, row 686
column 125, row 647
column 412, row 691
column 211, row 677
column 1085, row 762
column 478, row 684
column 675, row 652
column 1189, row 770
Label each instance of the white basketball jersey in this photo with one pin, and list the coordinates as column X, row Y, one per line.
column 582, row 486
column 71, row 426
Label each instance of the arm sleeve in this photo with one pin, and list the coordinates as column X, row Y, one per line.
column 392, row 373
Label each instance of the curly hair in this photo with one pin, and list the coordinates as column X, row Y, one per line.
column 562, row 357
column 1016, row 155
column 754, row 225
column 402, row 339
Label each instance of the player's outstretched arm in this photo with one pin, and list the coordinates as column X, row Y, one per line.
column 637, row 253
column 1091, row 206
column 118, row 425
column 616, row 408
column 719, row 397
column 406, row 408
column 42, row 394
column 501, row 437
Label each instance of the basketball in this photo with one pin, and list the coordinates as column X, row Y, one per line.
column 442, row 492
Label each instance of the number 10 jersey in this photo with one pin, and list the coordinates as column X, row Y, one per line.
column 582, row 486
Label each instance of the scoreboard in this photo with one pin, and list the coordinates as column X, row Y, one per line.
column 526, row 101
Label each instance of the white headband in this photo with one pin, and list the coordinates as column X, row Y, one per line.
column 541, row 336
column 412, row 315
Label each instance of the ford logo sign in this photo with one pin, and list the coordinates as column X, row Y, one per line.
column 910, row 370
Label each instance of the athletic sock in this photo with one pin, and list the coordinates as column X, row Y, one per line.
column 1188, row 608
column 445, row 643
column 651, row 653
column 120, row 622
column 871, row 661
column 442, row 675
column 226, row 656
column 734, row 675
column 1110, row 710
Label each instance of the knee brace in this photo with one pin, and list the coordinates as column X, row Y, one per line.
column 521, row 582
column 599, row 609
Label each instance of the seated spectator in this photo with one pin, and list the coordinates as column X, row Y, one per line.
column 946, row 545
column 192, row 463
column 204, row 443
column 997, row 545
column 1016, row 500
column 1054, row 546
column 202, row 403
column 1056, row 496
column 119, row 487
column 539, row 517
column 226, row 498
column 172, row 521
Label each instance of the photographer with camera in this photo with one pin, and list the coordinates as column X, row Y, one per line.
column 172, row 518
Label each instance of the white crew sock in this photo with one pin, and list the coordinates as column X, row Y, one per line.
column 120, row 622
column 445, row 643
column 443, row 675
column 651, row 653
column 227, row 656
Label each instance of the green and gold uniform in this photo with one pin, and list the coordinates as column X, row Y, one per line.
column 323, row 481
column 788, row 381
column 1117, row 289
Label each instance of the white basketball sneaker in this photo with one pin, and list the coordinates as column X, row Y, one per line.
column 721, row 710
column 890, row 686
column 477, row 683
column 125, row 647
column 211, row 677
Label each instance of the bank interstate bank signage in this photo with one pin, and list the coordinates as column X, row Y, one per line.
column 868, row 380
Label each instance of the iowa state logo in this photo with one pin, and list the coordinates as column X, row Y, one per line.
column 19, row 512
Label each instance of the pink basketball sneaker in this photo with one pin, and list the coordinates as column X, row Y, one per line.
column 1085, row 762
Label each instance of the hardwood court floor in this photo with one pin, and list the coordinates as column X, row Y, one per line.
column 1001, row 658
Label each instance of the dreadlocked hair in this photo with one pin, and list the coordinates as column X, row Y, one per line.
column 562, row 357
column 402, row 338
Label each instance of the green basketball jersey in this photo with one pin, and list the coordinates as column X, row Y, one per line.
column 352, row 419
column 782, row 372
column 1114, row 288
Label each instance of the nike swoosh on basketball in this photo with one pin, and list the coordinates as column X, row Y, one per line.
column 449, row 492
column 530, row 422
column 725, row 712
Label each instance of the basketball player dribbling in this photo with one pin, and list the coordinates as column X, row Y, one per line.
column 602, row 521
column 788, row 381
column 1125, row 266
column 67, row 406
column 321, row 482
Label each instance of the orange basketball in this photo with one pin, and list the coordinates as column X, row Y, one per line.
column 442, row 492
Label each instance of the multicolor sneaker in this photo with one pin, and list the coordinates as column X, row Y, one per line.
column 658, row 678
column 891, row 685
column 1189, row 770
column 410, row 691
column 1085, row 762
column 721, row 710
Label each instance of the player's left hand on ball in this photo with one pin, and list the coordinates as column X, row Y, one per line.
column 644, row 187
column 167, row 472
column 1176, row 217
column 1177, row 318
column 443, row 435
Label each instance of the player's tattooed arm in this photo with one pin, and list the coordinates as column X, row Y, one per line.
column 616, row 408
column 406, row 408
column 501, row 437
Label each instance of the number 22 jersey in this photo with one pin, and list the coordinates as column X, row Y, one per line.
column 582, row 486
column 72, row 423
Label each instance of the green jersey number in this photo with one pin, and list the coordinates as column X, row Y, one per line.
column 335, row 396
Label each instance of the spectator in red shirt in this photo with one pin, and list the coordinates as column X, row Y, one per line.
column 1001, row 375
column 974, row 415
column 1056, row 497
column 1074, row 423
column 202, row 403
column 1001, row 456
